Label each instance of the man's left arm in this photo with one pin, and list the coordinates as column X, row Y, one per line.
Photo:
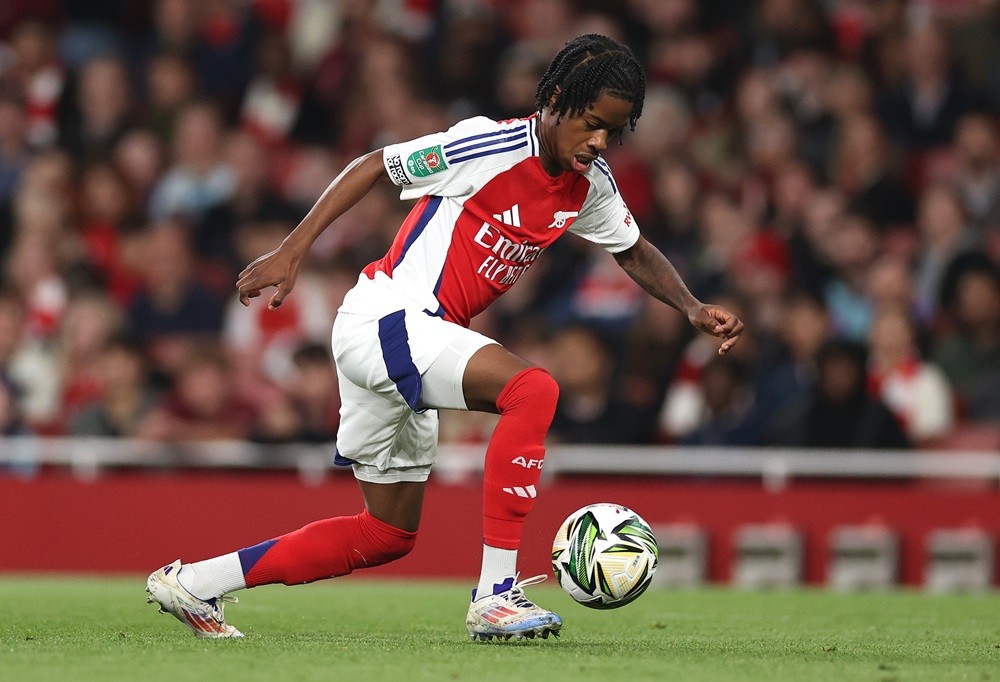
column 651, row 270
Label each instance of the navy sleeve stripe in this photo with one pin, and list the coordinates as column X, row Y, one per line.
column 473, row 138
column 603, row 167
column 500, row 140
column 488, row 152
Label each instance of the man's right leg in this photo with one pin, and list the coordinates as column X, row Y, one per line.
column 333, row 547
column 383, row 532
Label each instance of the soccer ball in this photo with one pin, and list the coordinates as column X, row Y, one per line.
column 604, row 556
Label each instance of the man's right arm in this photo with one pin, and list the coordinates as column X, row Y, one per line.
column 280, row 267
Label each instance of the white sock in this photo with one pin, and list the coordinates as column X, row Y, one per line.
column 213, row 577
column 498, row 565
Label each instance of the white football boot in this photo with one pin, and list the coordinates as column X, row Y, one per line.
column 508, row 613
column 204, row 617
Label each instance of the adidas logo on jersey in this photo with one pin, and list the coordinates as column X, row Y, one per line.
column 512, row 216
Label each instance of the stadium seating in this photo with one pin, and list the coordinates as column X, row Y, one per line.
column 863, row 558
column 683, row 555
column 959, row 560
column 767, row 556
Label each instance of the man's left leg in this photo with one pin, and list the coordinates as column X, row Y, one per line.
column 494, row 380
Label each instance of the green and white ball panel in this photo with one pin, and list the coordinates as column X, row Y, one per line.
column 604, row 555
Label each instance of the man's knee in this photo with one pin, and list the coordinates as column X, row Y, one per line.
column 383, row 542
column 532, row 389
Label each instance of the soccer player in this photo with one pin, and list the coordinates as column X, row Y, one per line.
column 491, row 196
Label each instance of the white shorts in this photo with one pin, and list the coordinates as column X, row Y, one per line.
column 397, row 365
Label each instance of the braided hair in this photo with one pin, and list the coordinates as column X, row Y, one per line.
column 587, row 66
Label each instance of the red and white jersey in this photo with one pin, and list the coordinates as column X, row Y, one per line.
column 486, row 211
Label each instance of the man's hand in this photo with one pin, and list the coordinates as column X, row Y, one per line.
column 278, row 268
column 717, row 321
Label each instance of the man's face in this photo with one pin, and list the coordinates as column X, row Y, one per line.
column 578, row 140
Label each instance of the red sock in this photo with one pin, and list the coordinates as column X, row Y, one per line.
column 514, row 455
column 325, row 549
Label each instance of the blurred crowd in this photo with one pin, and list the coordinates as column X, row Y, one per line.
column 829, row 169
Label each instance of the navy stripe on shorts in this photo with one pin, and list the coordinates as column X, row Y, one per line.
column 395, row 344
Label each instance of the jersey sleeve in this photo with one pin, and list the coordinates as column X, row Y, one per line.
column 604, row 217
column 442, row 164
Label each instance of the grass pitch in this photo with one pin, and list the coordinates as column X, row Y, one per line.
column 100, row 629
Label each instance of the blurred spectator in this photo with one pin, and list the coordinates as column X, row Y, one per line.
column 792, row 194
column 277, row 421
column 270, row 106
column 33, row 272
column 673, row 225
column 11, row 421
column 970, row 357
column 314, row 394
column 727, row 414
column 923, row 111
column 103, row 110
column 724, row 230
column 839, row 413
column 12, row 334
column 789, row 375
column 587, row 412
column 198, row 178
column 171, row 86
column 863, row 173
column 670, row 137
column 785, row 25
column 652, row 351
column 90, row 321
column 916, row 391
column 890, row 286
column 175, row 25
column 264, row 340
column 27, row 363
column 944, row 236
column 683, row 408
column 603, row 296
column 139, row 156
column 804, row 78
column 977, row 147
column 35, row 76
column 202, row 404
column 521, row 67
column 848, row 92
column 172, row 311
column 852, row 250
column 107, row 221
column 223, row 51
column 13, row 150
column 811, row 246
column 252, row 200
column 760, row 270
column 126, row 397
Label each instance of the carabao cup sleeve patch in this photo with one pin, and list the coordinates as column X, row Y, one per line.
column 424, row 162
